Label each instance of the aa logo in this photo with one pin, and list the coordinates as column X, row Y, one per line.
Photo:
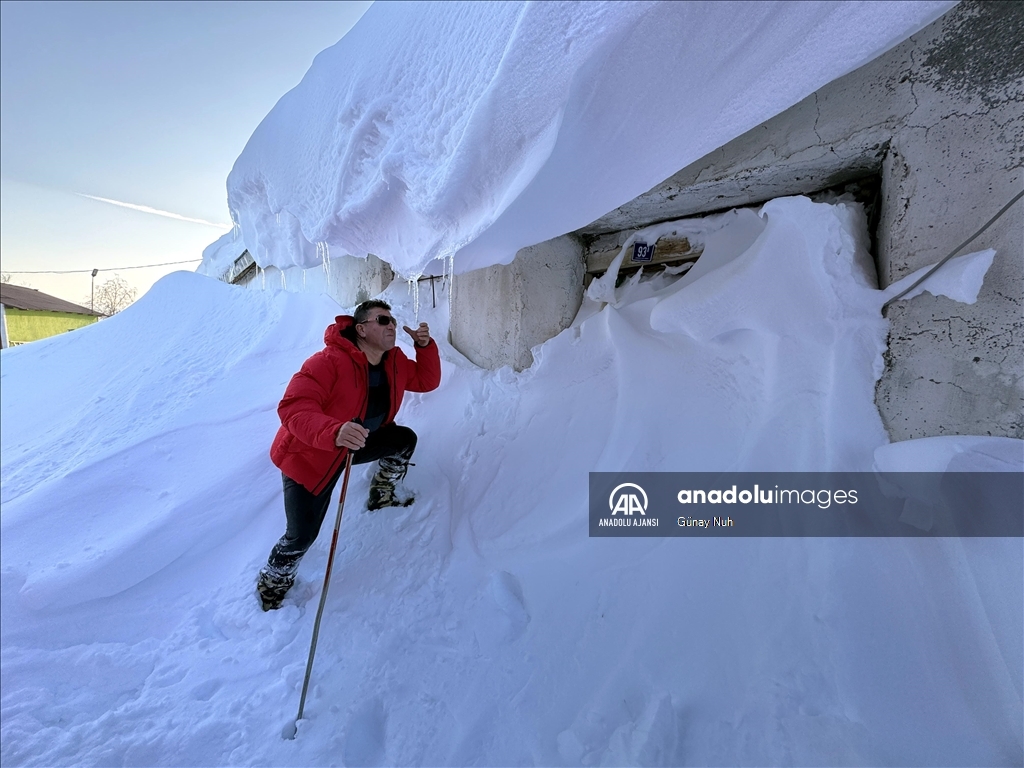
column 624, row 499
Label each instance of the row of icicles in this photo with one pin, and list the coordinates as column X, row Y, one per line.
column 323, row 253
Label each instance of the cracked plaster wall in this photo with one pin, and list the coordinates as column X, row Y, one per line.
column 955, row 160
column 499, row 313
column 941, row 117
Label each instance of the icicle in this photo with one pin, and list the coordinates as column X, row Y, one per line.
column 263, row 279
column 324, row 255
column 284, row 282
column 303, row 281
column 451, row 284
column 236, row 228
column 414, row 286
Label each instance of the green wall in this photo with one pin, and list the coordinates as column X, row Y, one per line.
column 28, row 325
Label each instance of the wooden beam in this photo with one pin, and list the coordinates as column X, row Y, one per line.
column 667, row 250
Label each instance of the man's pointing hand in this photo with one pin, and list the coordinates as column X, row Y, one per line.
column 421, row 336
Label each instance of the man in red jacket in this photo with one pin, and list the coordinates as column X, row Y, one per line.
column 344, row 399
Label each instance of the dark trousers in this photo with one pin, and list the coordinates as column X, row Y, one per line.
column 305, row 511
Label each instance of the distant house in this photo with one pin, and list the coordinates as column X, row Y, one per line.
column 29, row 314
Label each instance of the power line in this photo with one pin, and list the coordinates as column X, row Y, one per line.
column 88, row 271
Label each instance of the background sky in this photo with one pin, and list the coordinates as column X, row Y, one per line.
column 141, row 103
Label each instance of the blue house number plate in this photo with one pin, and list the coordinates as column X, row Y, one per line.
column 643, row 252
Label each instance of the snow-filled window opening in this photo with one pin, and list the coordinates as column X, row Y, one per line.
column 667, row 250
column 243, row 270
column 866, row 190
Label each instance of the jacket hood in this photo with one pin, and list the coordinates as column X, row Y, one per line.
column 341, row 334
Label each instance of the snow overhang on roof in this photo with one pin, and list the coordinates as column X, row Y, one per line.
column 471, row 130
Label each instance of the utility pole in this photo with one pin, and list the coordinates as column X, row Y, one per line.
column 92, row 297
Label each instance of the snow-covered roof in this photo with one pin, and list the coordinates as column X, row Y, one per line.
column 476, row 129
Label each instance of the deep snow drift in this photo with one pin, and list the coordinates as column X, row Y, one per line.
column 482, row 625
column 436, row 129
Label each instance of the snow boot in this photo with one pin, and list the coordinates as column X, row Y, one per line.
column 273, row 584
column 390, row 472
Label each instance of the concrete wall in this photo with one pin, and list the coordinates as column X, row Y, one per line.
column 955, row 368
column 499, row 313
column 353, row 281
column 941, row 118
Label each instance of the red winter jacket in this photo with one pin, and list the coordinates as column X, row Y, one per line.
column 332, row 388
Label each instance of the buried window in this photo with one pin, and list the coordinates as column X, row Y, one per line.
column 672, row 248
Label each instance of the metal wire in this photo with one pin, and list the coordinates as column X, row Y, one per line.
column 955, row 251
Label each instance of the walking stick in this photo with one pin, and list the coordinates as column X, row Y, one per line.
column 291, row 729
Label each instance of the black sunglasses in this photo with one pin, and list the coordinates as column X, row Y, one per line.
column 383, row 320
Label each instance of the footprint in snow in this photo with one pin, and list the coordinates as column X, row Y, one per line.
column 365, row 735
column 205, row 690
column 508, row 622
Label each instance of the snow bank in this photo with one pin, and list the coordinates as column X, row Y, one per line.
column 482, row 625
column 99, row 426
column 479, row 128
column 959, row 279
column 952, row 453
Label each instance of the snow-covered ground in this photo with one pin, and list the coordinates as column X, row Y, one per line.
column 482, row 625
